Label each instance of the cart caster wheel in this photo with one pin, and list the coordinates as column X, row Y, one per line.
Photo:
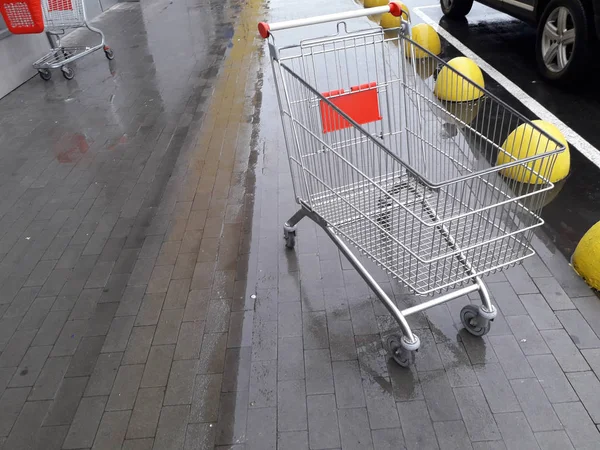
column 289, row 234
column 67, row 72
column 473, row 322
column 403, row 357
column 45, row 74
column 110, row 55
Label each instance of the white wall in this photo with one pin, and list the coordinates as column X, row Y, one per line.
column 17, row 54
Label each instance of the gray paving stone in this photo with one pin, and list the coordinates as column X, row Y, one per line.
column 131, row 301
column 170, row 434
column 439, row 396
column 293, row 440
column 167, row 329
column 428, row 357
column 55, row 282
column 125, row 388
column 354, row 429
column 318, row 372
column 381, row 405
column 588, row 306
column 527, row 335
column 587, row 386
column 388, row 439
column 323, row 428
column 85, row 423
column 262, row 429
column 511, row 357
column 11, row 403
column 416, row 426
column 290, row 319
column 142, row 271
column 158, row 366
column 138, row 444
column 21, row 303
column 240, row 329
column 200, row 436
column 51, row 438
column 127, row 262
column 85, row 357
column 553, row 380
column 66, row 401
column 476, row 414
column 118, row 334
column 69, row 338
column 592, row 356
column 111, row 432
column 7, row 328
column 181, row 383
column 539, row 311
column 51, row 376
column 177, row 294
column 291, row 406
column 205, row 399
column 578, row 328
column 456, row 363
column 554, row 294
column 506, row 298
column 578, row 425
column 516, row 431
column 348, row 384
column 99, row 276
column 30, row 367
column 536, row 268
column 139, row 345
column 535, row 405
column 341, row 340
column 16, row 348
column 31, row 417
column 496, row 388
column 452, row 435
column 231, row 426
column 405, row 383
column 217, row 318
column 520, row 280
column 104, row 374
column 6, row 375
column 159, row 279
column 315, row 330
column 100, row 322
column 564, row 351
column 144, row 418
column 553, row 440
column 236, row 372
column 196, row 307
column 290, row 361
column 263, row 384
column 150, row 309
column 37, row 313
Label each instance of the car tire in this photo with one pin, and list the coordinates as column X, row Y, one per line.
column 563, row 41
column 456, row 9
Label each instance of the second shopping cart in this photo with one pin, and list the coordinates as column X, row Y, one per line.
column 372, row 162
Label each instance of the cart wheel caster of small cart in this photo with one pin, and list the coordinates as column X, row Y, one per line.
column 67, row 72
column 473, row 321
column 289, row 234
column 397, row 349
column 45, row 74
column 110, row 55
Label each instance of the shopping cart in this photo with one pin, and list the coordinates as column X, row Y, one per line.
column 373, row 164
column 61, row 16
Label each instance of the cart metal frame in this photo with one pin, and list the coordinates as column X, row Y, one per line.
column 416, row 200
column 61, row 16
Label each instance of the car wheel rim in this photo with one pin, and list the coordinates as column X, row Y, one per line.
column 558, row 39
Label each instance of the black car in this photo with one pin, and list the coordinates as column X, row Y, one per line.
column 567, row 30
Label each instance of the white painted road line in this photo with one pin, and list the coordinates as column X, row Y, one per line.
column 587, row 149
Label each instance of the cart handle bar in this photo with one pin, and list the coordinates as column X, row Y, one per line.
column 265, row 29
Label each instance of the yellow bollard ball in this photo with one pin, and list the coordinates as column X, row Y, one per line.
column 424, row 35
column 526, row 141
column 454, row 87
column 586, row 259
column 388, row 20
column 374, row 3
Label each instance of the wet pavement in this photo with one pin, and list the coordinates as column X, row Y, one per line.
column 147, row 300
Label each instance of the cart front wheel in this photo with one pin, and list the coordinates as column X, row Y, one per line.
column 403, row 357
column 477, row 326
column 110, row 55
column 45, row 74
column 290, row 238
column 67, row 72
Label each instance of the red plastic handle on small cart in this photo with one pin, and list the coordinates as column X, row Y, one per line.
column 265, row 29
